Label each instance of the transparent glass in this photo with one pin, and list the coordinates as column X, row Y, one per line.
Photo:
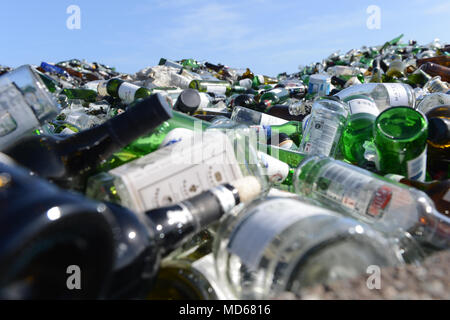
column 286, row 244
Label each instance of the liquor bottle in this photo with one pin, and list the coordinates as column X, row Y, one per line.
column 125, row 91
column 180, row 169
column 438, row 191
column 144, row 239
column 363, row 112
column 325, row 126
column 438, row 143
column 58, row 232
column 25, row 104
column 432, row 100
column 218, row 87
column 385, row 205
column 69, row 161
column 400, row 138
column 83, row 94
column 434, row 69
column 418, row 78
column 282, row 244
column 385, row 94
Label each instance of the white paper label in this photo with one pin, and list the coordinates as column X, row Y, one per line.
column 354, row 190
column 260, row 79
column 177, row 172
column 417, row 167
column 268, row 120
column 397, row 94
column 322, row 133
column 177, row 135
column 363, row 106
column 217, row 89
column 204, row 101
column 127, row 92
column 276, row 170
column 267, row 220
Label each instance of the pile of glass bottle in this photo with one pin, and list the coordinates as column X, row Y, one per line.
column 352, row 155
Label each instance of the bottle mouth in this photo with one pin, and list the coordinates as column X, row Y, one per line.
column 401, row 124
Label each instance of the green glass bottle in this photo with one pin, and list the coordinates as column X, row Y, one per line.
column 400, row 137
column 363, row 112
column 151, row 142
column 259, row 80
column 125, row 91
column 51, row 84
column 83, row 94
column 290, row 157
column 216, row 87
column 279, row 95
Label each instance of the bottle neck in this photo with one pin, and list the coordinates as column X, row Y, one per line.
column 174, row 224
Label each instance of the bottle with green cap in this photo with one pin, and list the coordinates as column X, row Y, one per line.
column 325, row 126
column 400, row 138
column 363, row 112
column 123, row 90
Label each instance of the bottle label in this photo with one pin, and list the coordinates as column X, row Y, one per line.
column 354, row 191
column 322, row 133
column 216, row 88
column 417, row 167
column 269, row 120
column 177, row 135
column 263, row 224
column 204, row 101
column 363, row 106
column 177, row 172
column 127, row 92
column 260, row 79
column 398, row 95
column 16, row 116
column 276, row 170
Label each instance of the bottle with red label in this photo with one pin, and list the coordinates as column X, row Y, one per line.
column 388, row 206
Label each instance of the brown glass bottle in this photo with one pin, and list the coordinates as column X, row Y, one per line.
column 438, row 152
column 438, row 191
column 434, row 69
column 442, row 60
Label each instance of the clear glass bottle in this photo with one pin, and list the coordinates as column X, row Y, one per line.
column 284, row 244
column 325, row 127
column 389, row 207
column 385, row 94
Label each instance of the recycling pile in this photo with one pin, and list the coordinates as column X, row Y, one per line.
column 362, row 138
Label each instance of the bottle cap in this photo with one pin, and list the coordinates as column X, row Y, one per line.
column 188, row 101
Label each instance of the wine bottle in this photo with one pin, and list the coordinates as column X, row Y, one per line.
column 69, row 161
column 125, row 91
column 146, row 238
column 47, row 235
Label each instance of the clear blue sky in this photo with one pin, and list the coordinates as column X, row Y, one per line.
column 267, row 36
